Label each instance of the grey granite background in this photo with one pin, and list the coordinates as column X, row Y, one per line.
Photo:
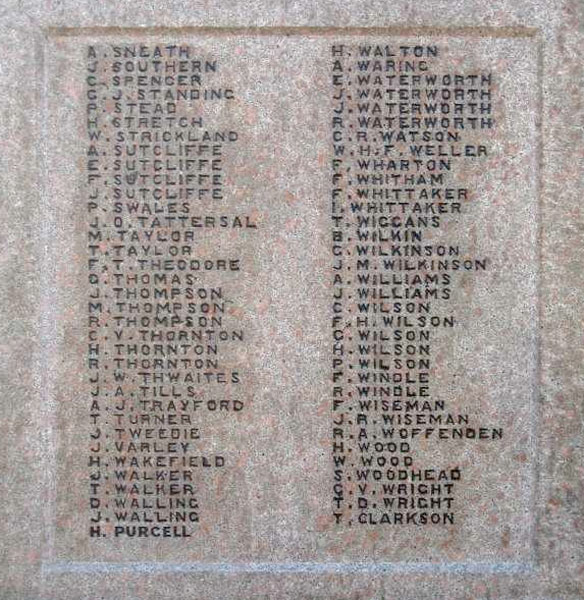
column 31, row 338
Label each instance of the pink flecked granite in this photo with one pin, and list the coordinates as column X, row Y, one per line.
column 267, row 526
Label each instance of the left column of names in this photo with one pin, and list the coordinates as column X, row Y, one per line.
column 164, row 337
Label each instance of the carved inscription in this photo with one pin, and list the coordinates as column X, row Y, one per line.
column 162, row 332
column 403, row 132
column 298, row 295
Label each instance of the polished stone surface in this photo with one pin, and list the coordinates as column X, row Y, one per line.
column 267, row 527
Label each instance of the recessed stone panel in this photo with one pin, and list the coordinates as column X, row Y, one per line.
column 297, row 295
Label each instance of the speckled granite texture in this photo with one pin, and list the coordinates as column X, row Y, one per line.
column 522, row 536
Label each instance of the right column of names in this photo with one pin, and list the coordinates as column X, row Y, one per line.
column 403, row 131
